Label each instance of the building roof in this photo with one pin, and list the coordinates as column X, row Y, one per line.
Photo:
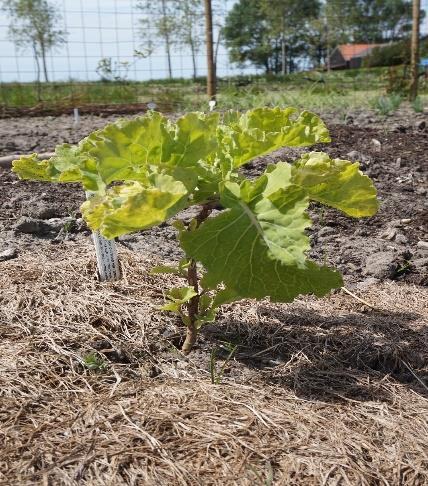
column 349, row 51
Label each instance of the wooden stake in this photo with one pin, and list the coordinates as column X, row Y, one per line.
column 414, row 59
column 211, row 75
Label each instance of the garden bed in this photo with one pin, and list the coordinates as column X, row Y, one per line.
column 320, row 391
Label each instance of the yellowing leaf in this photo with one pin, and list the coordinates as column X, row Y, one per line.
column 335, row 182
column 30, row 167
column 264, row 130
column 133, row 207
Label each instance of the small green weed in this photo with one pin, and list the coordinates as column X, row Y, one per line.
column 418, row 105
column 94, row 362
column 386, row 105
column 216, row 377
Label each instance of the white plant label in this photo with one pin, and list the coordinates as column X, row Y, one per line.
column 76, row 115
column 106, row 253
column 107, row 259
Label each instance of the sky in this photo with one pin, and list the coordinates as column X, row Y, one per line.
column 98, row 29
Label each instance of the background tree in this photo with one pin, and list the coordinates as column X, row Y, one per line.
column 34, row 25
column 163, row 15
column 370, row 21
column 190, row 24
column 270, row 33
column 248, row 36
column 288, row 22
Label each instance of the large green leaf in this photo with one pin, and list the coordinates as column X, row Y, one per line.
column 257, row 247
column 196, row 138
column 264, row 130
column 334, row 182
column 133, row 207
column 123, row 150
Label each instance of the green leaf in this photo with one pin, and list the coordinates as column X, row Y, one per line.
column 65, row 164
column 196, row 138
column 30, row 167
column 257, row 247
column 335, row 182
column 181, row 269
column 177, row 297
column 264, row 130
column 133, row 207
column 124, row 150
column 161, row 269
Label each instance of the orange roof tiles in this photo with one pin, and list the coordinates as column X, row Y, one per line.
column 349, row 51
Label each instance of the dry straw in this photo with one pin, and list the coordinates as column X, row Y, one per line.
column 320, row 392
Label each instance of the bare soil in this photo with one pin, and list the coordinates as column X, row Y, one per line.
column 397, row 162
column 321, row 391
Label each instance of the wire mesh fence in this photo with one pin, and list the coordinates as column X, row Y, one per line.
column 112, row 53
column 104, row 57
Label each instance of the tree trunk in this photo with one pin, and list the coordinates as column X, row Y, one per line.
column 283, row 50
column 414, row 60
column 36, row 58
column 45, row 68
column 217, row 45
column 167, row 39
column 192, row 48
column 327, row 42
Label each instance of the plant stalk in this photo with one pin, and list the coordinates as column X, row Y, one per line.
column 193, row 281
column 192, row 309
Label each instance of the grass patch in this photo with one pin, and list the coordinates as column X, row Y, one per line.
column 337, row 91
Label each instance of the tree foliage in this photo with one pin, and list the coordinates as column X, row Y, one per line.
column 190, row 31
column 162, row 16
column 370, row 21
column 176, row 23
column 34, row 25
column 277, row 34
column 248, row 36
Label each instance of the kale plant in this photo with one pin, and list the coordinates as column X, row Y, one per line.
column 146, row 170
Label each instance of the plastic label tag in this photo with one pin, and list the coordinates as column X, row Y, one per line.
column 106, row 253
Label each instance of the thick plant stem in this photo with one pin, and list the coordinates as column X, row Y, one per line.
column 192, row 279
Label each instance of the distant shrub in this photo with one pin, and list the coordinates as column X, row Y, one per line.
column 390, row 55
column 397, row 79
column 393, row 54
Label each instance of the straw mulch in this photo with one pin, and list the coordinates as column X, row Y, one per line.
column 319, row 392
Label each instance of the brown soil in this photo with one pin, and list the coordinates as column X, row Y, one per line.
column 398, row 167
column 328, row 391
